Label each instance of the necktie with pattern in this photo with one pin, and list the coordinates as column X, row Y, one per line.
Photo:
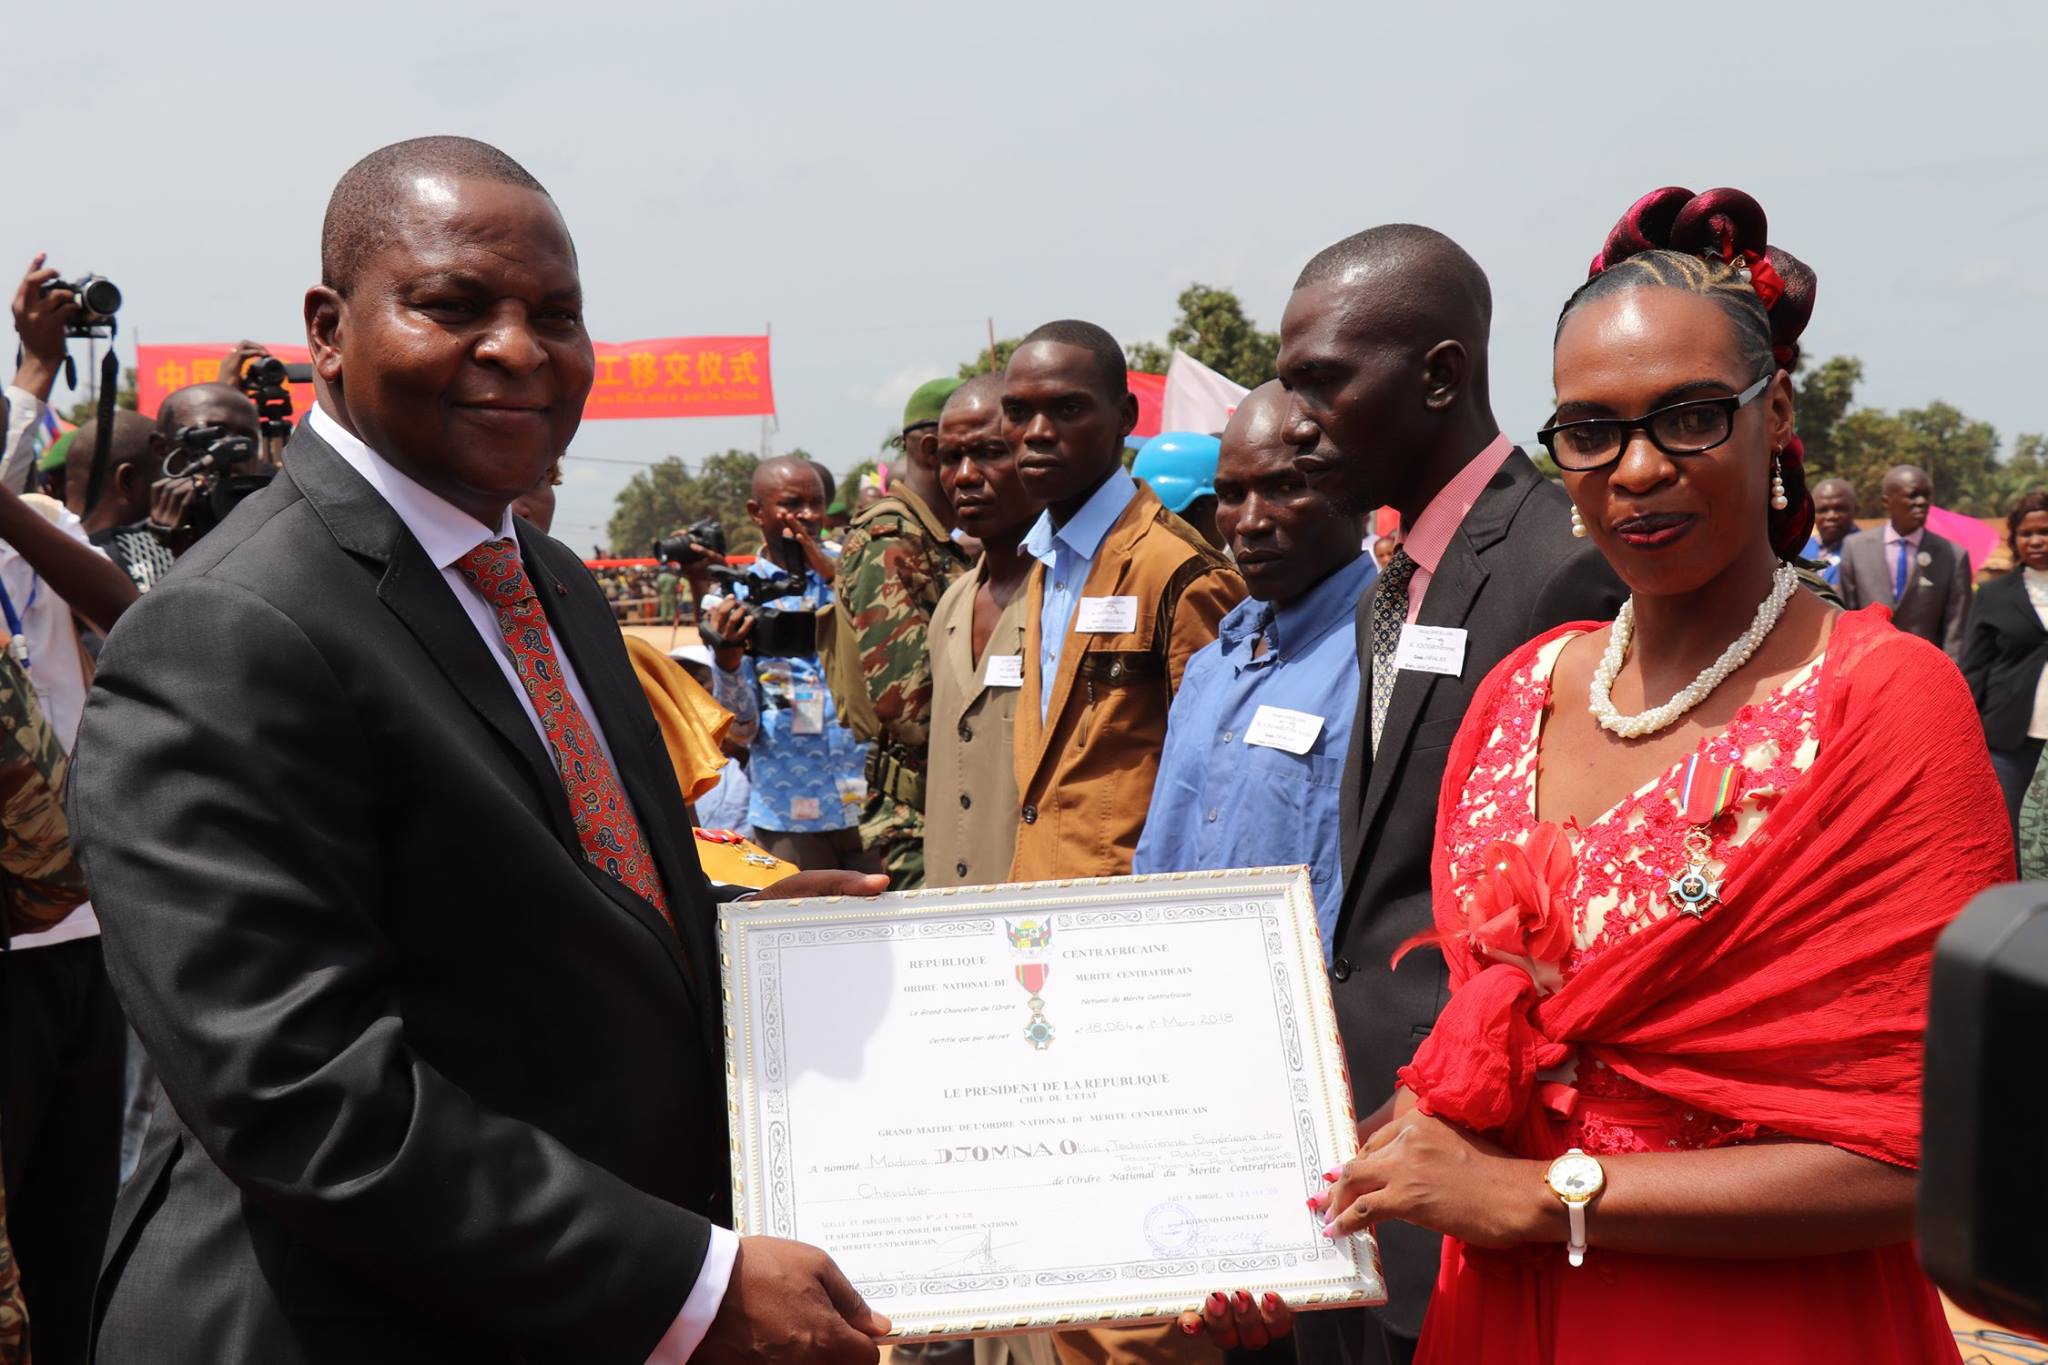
column 605, row 825
column 1389, row 614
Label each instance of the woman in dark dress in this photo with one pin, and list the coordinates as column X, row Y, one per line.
column 2008, row 649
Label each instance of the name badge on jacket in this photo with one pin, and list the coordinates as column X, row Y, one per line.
column 1107, row 615
column 1004, row 670
column 1431, row 649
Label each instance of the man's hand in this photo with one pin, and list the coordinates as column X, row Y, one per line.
column 823, row 882
column 238, row 359
column 788, row 1302
column 732, row 623
column 40, row 320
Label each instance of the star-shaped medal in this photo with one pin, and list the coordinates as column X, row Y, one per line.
column 1693, row 892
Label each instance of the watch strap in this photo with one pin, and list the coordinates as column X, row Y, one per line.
column 1575, row 1249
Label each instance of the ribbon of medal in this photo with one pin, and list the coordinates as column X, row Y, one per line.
column 1703, row 793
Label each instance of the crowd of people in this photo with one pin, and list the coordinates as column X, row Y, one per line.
column 400, row 855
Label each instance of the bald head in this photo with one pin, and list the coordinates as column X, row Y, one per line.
column 1899, row 475
column 1412, row 273
column 371, row 195
column 982, row 391
column 208, row 405
column 1259, row 419
column 772, row 473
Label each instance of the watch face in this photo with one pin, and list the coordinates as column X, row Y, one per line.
column 1576, row 1177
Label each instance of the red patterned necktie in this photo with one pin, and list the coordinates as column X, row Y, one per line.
column 610, row 835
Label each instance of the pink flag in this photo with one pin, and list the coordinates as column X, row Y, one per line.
column 1977, row 539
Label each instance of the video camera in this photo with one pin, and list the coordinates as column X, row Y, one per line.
column 208, row 455
column 778, row 633
column 98, row 301
column 264, row 380
column 699, row 543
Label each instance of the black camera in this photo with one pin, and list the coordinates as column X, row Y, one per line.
column 207, row 456
column 778, row 633
column 698, row 543
column 264, row 380
column 98, row 301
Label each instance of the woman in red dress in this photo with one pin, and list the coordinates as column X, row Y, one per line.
column 1689, row 874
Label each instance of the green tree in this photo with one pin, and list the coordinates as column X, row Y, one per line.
column 1147, row 357
column 669, row 494
column 984, row 363
column 1213, row 329
column 1823, row 394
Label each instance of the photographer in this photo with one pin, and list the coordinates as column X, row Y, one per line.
column 806, row 767
column 209, row 440
column 39, row 320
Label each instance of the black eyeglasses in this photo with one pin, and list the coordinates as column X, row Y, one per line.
column 1690, row 428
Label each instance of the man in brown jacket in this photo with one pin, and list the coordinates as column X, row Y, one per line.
column 1123, row 593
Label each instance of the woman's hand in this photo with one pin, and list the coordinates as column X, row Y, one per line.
column 1418, row 1169
column 1234, row 1320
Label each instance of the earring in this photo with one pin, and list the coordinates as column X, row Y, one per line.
column 1578, row 524
column 1779, row 502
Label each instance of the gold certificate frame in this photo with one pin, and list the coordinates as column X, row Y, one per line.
column 1048, row 1105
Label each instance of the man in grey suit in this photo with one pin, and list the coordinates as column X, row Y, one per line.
column 1922, row 577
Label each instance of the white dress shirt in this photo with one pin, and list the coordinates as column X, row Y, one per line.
column 447, row 533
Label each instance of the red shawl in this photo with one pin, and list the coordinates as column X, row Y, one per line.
column 1799, row 1001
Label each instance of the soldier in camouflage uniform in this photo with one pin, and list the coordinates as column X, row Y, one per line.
column 39, row 885
column 899, row 557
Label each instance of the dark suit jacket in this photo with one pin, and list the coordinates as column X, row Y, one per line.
column 438, row 1089
column 1511, row 572
column 2003, row 660
column 1936, row 605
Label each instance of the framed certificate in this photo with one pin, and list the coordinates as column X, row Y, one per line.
column 1048, row 1105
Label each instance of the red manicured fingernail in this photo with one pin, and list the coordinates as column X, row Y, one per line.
column 1332, row 1174
column 1315, row 1201
column 1219, row 1303
column 1190, row 1327
column 1327, row 1226
column 1270, row 1300
column 1244, row 1302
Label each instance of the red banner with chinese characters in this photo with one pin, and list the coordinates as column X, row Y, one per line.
column 160, row 370
column 664, row 377
column 682, row 377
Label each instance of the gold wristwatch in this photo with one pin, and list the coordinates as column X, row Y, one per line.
column 1576, row 1179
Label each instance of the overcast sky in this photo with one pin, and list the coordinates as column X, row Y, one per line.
column 878, row 179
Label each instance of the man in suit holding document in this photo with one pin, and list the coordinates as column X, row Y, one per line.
column 398, row 889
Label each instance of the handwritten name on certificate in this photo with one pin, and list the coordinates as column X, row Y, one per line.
column 1009, row 1108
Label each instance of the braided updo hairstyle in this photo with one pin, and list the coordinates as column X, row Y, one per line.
column 1716, row 245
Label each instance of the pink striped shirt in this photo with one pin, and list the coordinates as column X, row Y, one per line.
column 1431, row 534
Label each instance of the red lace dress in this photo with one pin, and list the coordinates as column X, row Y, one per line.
column 1530, row 1305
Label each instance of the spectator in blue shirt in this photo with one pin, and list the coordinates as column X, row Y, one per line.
column 807, row 769
column 1252, row 774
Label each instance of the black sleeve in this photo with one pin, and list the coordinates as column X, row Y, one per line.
column 1979, row 654
column 226, row 801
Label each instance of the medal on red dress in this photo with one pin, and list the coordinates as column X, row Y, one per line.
column 1703, row 793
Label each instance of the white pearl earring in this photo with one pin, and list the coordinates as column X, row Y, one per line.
column 1578, row 524
column 1779, row 502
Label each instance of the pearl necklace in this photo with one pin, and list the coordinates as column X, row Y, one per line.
column 1783, row 582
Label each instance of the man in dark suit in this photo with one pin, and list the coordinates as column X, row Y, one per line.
column 398, row 887
column 1924, row 578
column 1384, row 347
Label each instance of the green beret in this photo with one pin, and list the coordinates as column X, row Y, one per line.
column 923, row 407
column 53, row 458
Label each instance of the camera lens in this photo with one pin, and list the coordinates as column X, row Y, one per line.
column 267, row 370
column 98, row 296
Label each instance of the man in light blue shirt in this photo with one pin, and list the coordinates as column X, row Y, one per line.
column 1067, row 549
column 1252, row 773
